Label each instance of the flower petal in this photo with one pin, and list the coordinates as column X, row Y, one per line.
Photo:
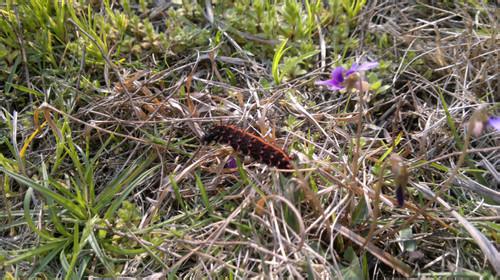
column 334, row 87
column 331, row 84
column 494, row 122
column 338, row 75
column 335, row 83
column 325, row 83
column 354, row 68
column 366, row 66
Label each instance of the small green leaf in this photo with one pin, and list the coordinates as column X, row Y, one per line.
column 276, row 60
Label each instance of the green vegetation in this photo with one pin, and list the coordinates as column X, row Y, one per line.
column 103, row 173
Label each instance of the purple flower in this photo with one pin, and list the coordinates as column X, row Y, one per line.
column 231, row 163
column 494, row 122
column 340, row 75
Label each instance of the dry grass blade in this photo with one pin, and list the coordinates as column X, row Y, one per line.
column 296, row 212
column 187, row 170
column 486, row 245
column 45, row 106
column 383, row 256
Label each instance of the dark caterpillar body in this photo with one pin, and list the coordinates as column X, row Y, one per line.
column 250, row 145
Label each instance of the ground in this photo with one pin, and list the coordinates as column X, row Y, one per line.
column 389, row 170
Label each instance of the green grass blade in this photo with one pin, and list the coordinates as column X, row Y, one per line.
column 123, row 251
column 36, row 251
column 63, row 260
column 117, row 202
column 79, row 243
column 391, row 148
column 153, row 255
column 177, row 192
column 89, row 169
column 43, row 263
column 276, row 60
column 66, row 203
column 451, row 123
column 53, row 209
column 116, row 185
column 82, row 267
column 29, row 221
column 203, row 192
column 75, row 253
column 100, row 254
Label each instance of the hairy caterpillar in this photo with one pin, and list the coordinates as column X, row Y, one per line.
column 249, row 144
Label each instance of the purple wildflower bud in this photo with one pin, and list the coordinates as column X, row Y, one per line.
column 400, row 171
column 231, row 163
column 340, row 74
column 400, row 196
